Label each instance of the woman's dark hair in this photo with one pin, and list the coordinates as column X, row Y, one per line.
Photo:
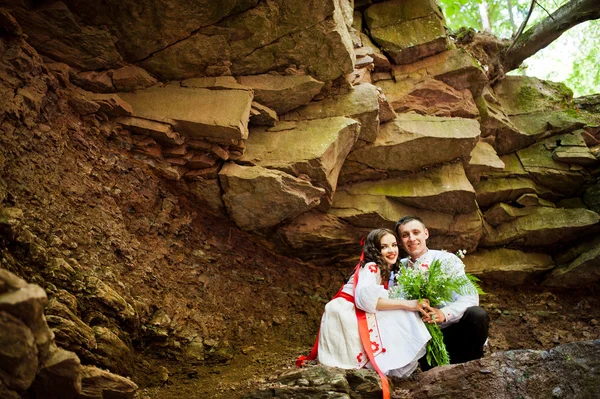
column 372, row 250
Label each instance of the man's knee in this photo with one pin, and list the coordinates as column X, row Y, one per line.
column 477, row 321
column 477, row 315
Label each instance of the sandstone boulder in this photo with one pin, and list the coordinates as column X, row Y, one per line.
column 315, row 148
column 591, row 197
column 196, row 112
column 321, row 382
column 501, row 213
column 268, row 36
column 447, row 231
column 30, row 362
column 322, row 238
column 262, row 115
column 94, row 81
column 571, row 148
column 208, row 192
column 508, row 266
column 533, row 200
column 69, row 330
column 18, row 353
column 367, row 48
column 111, row 352
column 454, row 67
column 257, row 198
column 538, row 161
column 515, row 373
column 582, row 267
column 444, row 189
column 483, row 159
column 429, row 97
column 540, row 226
column 547, row 123
column 492, row 191
column 282, row 93
column 525, row 94
column 110, row 104
column 512, row 168
column 100, row 384
column 59, row 376
column 55, row 32
column 497, row 128
column 407, row 30
column 27, row 304
column 159, row 131
column 361, row 103
column 400, row 143
column 131, row 78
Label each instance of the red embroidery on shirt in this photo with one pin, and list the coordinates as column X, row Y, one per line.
column 373, row 268
column 374, row 346
column 359, row 357
column 383, row 350
column 425, row 266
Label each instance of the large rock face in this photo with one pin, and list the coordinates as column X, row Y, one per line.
column 443, row 189
column 537, row 226
column 200, row 39
column 282, row 93
column 448, row 231
column 539, row 161
column 197, row 112
column 257, row 198
column 454, row 67
column 361, row 103
column 407, row 30
column 578, row 267
column 399, row 143
column 524, row 95
column 429, row 97
column 509, row 266
column 315, row 148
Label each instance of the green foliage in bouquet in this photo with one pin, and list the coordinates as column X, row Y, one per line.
column 436, row 283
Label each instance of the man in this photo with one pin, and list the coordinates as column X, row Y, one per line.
column 464, row 324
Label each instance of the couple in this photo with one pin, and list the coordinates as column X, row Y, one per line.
column 363, row 327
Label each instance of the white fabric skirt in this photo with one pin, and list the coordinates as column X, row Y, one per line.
column 398, row 339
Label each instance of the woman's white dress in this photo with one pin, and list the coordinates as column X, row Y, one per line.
column 398, row 337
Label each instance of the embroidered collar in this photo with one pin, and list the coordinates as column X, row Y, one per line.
column 419, row 261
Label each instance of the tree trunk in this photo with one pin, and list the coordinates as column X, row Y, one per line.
column 483, row 14
column 511, row 17
column 542, row 34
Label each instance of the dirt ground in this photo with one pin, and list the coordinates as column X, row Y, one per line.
column 522, row 318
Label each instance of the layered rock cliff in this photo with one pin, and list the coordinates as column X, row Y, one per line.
column 155, row 154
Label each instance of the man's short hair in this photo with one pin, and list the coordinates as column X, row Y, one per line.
column 406, row 219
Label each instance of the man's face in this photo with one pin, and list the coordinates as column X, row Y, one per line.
column 414, row 238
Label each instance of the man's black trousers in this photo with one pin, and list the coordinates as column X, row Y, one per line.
column 464, row 340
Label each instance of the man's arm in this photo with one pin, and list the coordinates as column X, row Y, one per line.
column 452, row 312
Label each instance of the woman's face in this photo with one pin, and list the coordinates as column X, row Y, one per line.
column 389, row 248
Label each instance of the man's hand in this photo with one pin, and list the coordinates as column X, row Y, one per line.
column 433, row 315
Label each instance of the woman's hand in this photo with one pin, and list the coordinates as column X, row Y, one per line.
column 418, row 305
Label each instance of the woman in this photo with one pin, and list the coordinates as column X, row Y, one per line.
column 361, row 312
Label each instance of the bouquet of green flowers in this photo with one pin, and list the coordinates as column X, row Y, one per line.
column 436, row 283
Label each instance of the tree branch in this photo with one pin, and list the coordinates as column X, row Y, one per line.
column 549, row 29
